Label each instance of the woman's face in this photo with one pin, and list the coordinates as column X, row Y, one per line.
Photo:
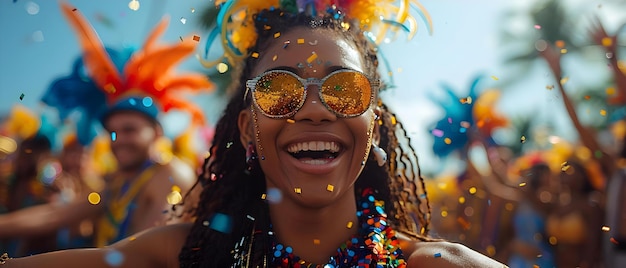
column 312, row 180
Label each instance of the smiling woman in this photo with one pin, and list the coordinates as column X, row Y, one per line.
column 298, row 174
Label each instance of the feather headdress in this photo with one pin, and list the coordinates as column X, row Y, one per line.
column 147, row 79
column 235, row 26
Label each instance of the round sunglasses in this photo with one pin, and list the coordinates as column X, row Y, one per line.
column 280, row 93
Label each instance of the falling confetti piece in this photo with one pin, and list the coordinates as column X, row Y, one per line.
column 437, row 255
column 133, row 5
column 291, row 121
column 275, row 57
column 553, row 240
column 610, row 91
column 472, row 190
column 196, row 38
column 300, row 40
column 495, row 77
column 603, row 112
column 467, row 100
column 263, row 196
column 563, row 50
column 174, row 198
column 564, row 80
column 316, row 241
column 522, row 184
column 606, row 228
column 550, row 87
column 183, row 20
column 330, row 188
column 22, row 96
column 314, row 43
column 298, row 190
column 113, row 136
column 255, row 55
column 276, row 35
column 221, row 223
column 222, row 67
column 565, row 166
column 537, row 26
column 559, row 43
column 437, row 133
column 349, row 225
column 587, row 97
column 312, row 57
column 93, row 198
column 523, row 139
column 114, row 258
column 32, row 8
column 607, row 41
column 132, row 238
column 193, row 10
column 274, row 195
column 614, row 241
column 461, row 200
column 286, row 43
column 447, row 140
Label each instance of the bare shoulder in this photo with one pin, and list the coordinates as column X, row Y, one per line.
column 443, row 254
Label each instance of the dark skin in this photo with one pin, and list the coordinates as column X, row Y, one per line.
column 159, row 247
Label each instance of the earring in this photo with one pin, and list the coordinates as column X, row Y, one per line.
column 251, row 157
column 380, row 154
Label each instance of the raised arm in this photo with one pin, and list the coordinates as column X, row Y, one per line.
column 158, row 247
column 47, row 218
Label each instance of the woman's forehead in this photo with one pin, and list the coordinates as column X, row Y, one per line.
column 311, row 51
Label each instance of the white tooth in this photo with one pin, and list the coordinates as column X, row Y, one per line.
column 327, row 146
column 299, row 147
column 320, row 146
column 305, row 146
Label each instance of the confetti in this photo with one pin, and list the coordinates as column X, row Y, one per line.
column 563, row 50
column 22, row 96
column 602, row 112
column 587, row 97
column 314, row 43
column 316, row 241
column 274, row 195
column 196, row 38
column 437, row 132
column 291, row 121
column 114, row 258
column 467, row 100
column 222, row 67
column 147, row 101
column 275, row 57
column 537, row 26
column 495, row 77
column 614, row 241
column 312, row 57
column 437, row 255
column 447, row 141
column 472, row 190
column 276, row 35
column 132, row 238
column 286, row 43
column 183, row 20
column 255, row 55
column 522, row 184
column 181, row 38
column 297, row 190
column 93, row 198
column 552, row 240
column 133, row 5
column 565, row 166
column 610, row 91
column 606, row 228
column 113, row 136
column 330, row 188
column 564, row 80
column 349, row 225
column 550, row 87
column 193, row 10
column 607, row 41
column 559, row 43
column 263, row 196
column 522, row 139
column 221, row 223
column 300, row 40
column 461, row 200
column 535, row 266
column 174, row 198
column 32, row 8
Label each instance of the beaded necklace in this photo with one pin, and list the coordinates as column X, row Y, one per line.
column 375, row 245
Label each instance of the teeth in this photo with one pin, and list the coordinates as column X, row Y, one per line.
column 331, row 146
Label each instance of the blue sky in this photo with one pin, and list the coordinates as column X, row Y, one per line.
column 38, row 46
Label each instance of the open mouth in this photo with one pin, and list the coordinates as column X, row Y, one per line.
column 315, row 152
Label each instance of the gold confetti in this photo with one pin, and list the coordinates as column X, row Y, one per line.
column 311, row 58
column 276, row 35
column 560, row 43
column 300, row 40
column 316, row 241
column 447, row 140
column 467, row 100
column 522, row 184
column 196, row 38
column 222, row 67
column 275, row 57
column 290, row 121
column 132, row 238
column 495, row 77
column 330, row 188
column 564, row 80
column 472, row 190
column 553, row 240
column 563, row 50
column 461, row 200
column 550, row 87
column 298, row 190
column 444, row 213
column 606, row 228
column 349, row 225
column 93, row 198
column 174, row 198
column 610, row 91
column 535, row 266
column 565, row 166
column 602, row 112
column 607, row 41
column 522, row 139
column 263, row 196
column 491, row 250
column 175, row 188
column 255, row 55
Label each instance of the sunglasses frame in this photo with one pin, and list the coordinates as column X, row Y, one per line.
column 306, row 82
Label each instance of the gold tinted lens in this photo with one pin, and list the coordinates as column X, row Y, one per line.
column 347, row 93
column 278, row 93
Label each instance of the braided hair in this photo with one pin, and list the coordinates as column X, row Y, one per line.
column 233, row 193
